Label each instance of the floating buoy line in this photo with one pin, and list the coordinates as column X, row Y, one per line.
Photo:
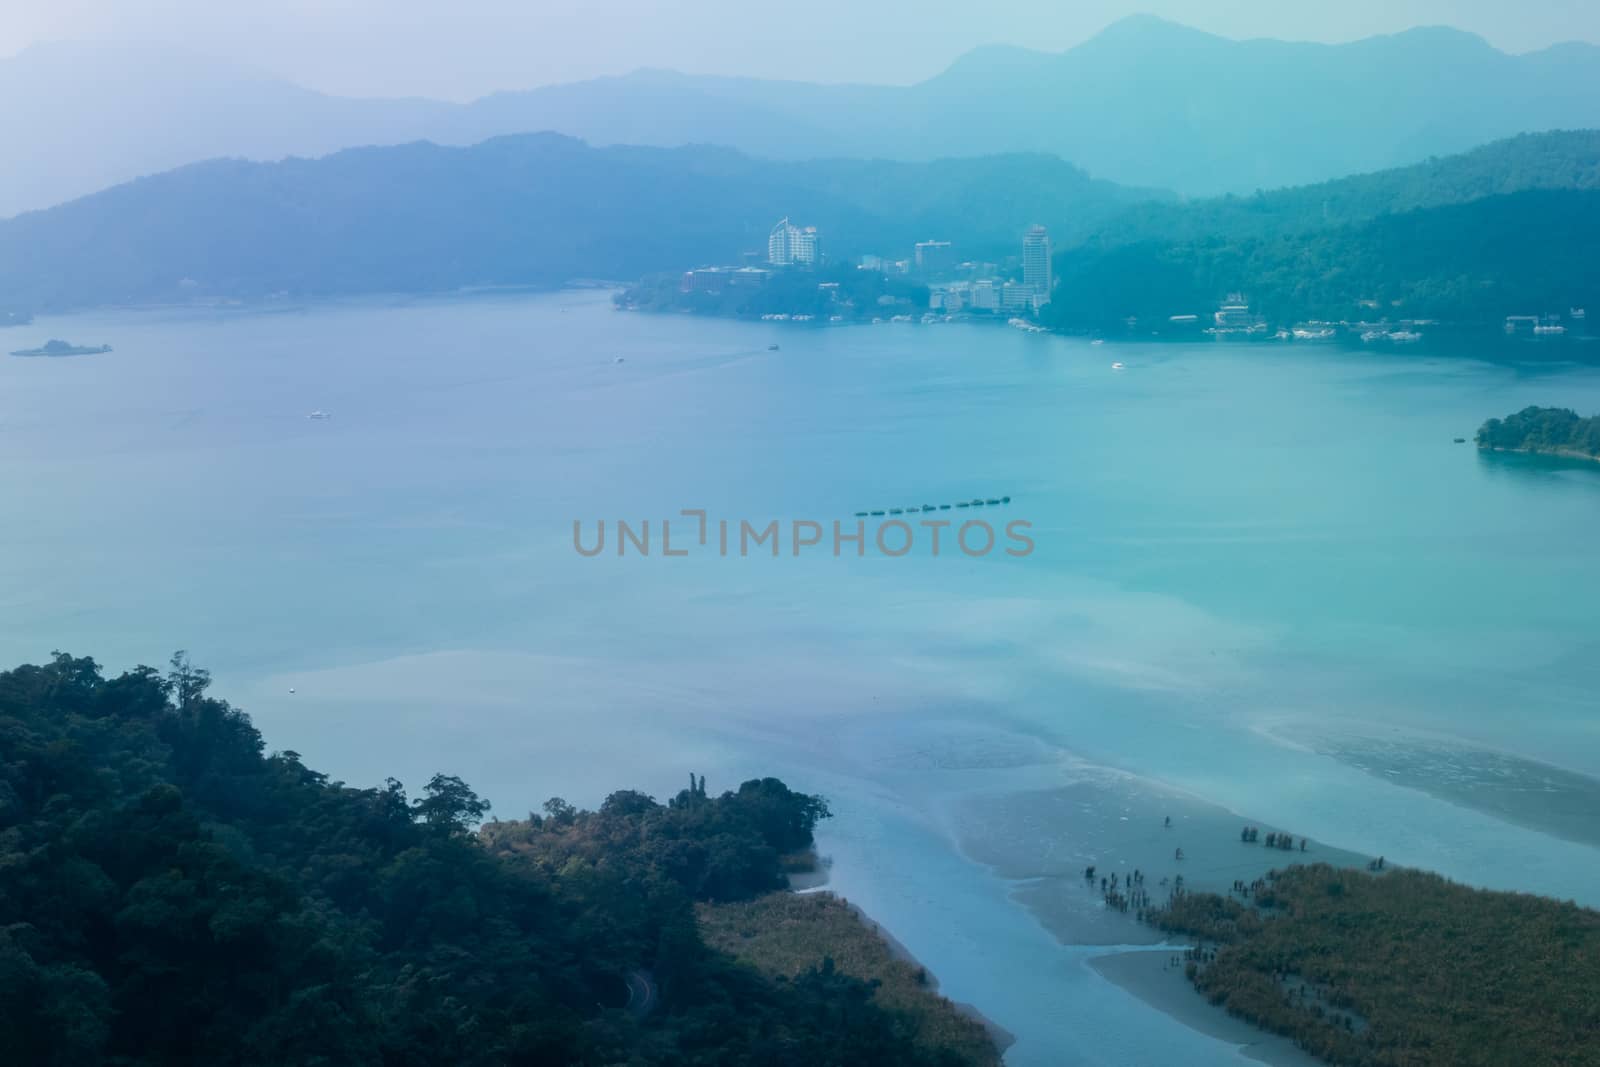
column 918, row 509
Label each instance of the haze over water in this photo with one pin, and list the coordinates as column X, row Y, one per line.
column 1265, row 578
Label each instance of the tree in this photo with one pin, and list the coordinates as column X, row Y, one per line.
column 627, row 802
column 449, row 804
column 560, row 812
column 186, row 682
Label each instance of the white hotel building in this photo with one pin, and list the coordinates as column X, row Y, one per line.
column 790, row 246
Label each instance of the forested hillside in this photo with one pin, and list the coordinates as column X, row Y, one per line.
column 171, row 894
column 1505, row 229
column 1562, row 159
column 1525, row 253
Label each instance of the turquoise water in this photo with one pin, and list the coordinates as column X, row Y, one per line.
column 1264, row 575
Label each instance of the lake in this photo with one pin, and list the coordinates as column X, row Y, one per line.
column 1266, row 586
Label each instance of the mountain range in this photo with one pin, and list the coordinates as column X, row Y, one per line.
column 529, row 209
column 1145, row 103
column 1506, row 228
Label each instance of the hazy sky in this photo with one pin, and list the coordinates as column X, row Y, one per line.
column 464, row 48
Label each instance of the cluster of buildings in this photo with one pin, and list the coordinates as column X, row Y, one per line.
column 1548, row 325
column 980, row 287
column 990, row 293
column 716, row 279
column 788, row 246
column 983, row 294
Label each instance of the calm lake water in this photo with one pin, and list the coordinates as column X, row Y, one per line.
column 1265, row 580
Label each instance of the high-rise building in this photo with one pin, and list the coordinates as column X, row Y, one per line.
column 1036, row 262
column 803, row 247
column 935, row 257
column 790, row 246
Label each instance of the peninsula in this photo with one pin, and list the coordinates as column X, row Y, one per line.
column 1543, row 431
column 1397, row 966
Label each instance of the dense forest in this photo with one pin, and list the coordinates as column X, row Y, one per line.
column 1525, row 253
column 1401, row 969
column 1502, row 230
column 1557, row 431
column 172, row 894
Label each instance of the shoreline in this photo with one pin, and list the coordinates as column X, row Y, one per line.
column 275, row 302
column 1003, row 1039
column 1149, row 975
column 1554, row 453
column 1119, row 823
column 816, row 882
column 1350, row 340
column 1102, row 812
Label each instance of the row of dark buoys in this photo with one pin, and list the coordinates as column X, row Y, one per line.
column 975, row 502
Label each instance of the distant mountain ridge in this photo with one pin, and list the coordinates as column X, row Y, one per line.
column 532, row 209
column 1146, row 102
column 78, row 118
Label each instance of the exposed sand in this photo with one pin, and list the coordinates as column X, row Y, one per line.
column 1519, row 790
column 1044, row 839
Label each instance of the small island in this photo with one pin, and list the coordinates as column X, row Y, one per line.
column 63, row 348
column 1543, row 431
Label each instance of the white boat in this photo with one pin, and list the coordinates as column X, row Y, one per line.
column 1097, row 341
column 1116, row 366
column 319, row 414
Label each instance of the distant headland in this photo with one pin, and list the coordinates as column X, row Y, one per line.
column 63, row 348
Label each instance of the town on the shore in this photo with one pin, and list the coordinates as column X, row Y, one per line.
column 795, row 280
